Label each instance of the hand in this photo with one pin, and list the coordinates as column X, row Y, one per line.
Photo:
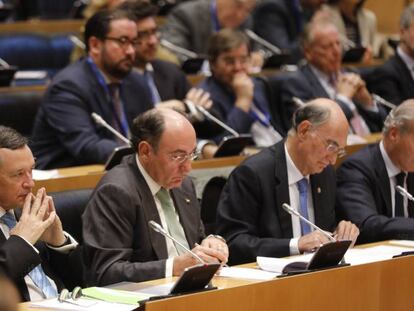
column 219, row 245
column 174, row 104
column 311, row 241
column 208, row 255
column 243, row 88
column 208, row 151
column 348, row 84
column 35, row 218
column 256, row 61
column 199, row 97
column 53, row 235
column 363, row 97
column 346, row 231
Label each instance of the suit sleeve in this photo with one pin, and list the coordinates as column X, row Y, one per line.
column 108, row 228
column 356, row 201
column 238, row 219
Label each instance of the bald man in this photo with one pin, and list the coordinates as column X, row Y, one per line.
column 150, row 185
column 297, row 171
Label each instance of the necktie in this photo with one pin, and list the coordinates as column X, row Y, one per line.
column 357, row 124
column 37, row 275
column 399, row 200
column 303, row 197
column 174, row 227
column 118, row 122
column 149, row 78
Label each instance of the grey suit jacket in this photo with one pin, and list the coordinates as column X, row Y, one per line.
column 119, row 244
column 364, row 197
column 250, row 214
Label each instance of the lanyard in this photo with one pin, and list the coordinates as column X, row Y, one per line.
column 260, row 116
column 119, row 119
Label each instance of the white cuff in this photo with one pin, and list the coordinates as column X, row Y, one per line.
column 169, row 267
column 294, row 246
column 66, row 248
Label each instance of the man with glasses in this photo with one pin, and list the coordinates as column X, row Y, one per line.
column 64, row 132
column 367, row 181
column 297, row 171
column 149, row 185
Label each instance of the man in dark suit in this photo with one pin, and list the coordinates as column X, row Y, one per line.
column 34, row 251
column 64, row 133
column 238, row 99
column 394, row 80
column 250, row 214
column 322, row 76
column 367, row 181
column 149, row 185
column 281, row 22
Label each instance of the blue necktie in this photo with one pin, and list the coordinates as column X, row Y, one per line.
column 303, row 196
column 37, row 275
column 155, row 96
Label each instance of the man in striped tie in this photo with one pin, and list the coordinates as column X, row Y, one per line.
column 30, row 230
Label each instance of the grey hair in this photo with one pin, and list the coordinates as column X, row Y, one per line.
column 407, row 16
column 313, row 112
column 400, row 117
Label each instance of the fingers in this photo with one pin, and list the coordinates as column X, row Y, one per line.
column 26, row 205
column 199, row 97
column 209, row 254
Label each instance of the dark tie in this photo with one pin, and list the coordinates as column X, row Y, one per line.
column 303, row 197
column 399, row 199
column 37, row 275
column 118, row 122
column 155, row 95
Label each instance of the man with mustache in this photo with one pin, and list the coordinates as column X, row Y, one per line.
column 64, row 132
column 150, row 185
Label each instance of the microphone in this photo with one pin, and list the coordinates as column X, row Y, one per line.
column 98, row 120
column 298, row 102
column 157, row 228
column 78, row 42
column 216, row 120
column 291, row 211
column 266, row 44
column 178, row 50
column 404, row 193
column 383, row 101
column 4, row 64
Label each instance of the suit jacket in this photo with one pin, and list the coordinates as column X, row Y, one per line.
column 275, row 21
column 189, row 25
column 392, row 81
column 223, row 105
column 364, row 197
column 119, row 243
column 250, row 214
column 18, row 258
column 64, row 132
column 304, row 84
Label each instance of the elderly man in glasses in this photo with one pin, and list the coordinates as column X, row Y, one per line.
column 297, row 171
column 150, row 185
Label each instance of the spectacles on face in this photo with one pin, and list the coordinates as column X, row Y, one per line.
column 331, row 146
column 124, row 42
column 231, row 61
column 182, row 157
column 147, row 34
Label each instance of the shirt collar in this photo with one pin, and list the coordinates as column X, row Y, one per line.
column 294, row 175
column 392, row 169
column 409, row 62
column 152, row 184
column 148, row 67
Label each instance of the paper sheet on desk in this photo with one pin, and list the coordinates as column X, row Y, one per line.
column 96, row 306
column 41, row 174
column 247, row 273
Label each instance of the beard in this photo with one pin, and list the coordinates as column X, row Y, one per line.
column 119, row 69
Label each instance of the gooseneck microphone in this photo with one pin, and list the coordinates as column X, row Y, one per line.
column 157, row 228
column 291, row 211
column 298, row 102
column 382, row 101
column 99, row 120
column 404, row 193
column 216, row 120
column 178, row 50
column 273, row 49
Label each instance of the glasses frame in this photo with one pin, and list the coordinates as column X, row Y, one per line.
column 183, row 157
column 331, row 146
column 124, row 42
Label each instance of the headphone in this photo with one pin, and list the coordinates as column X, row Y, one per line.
column 65, row 295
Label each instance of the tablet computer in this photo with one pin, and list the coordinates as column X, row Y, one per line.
column 116, row 156
column 233, row 145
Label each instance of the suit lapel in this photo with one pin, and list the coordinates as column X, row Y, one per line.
column 382, row 177
column 408, row 82
column 282, row 190
column 316, row 87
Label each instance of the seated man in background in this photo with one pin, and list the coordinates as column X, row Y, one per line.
column 149, row 185
column 323, row 76
column 64, row 132
column 297, row 171
column 281, row 22
column 394, row 80
column 34, row 250
column 239, row 100
column 367, row 181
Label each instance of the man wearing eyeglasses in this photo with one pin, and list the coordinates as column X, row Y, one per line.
column 64, row 132
column 150, row 185
column 297, row 171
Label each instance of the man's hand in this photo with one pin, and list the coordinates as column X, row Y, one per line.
column 219, row 245
column 199, row 97
column 35, row 218
column 348, row 84
column 346, row 230
column 243, row 87
column 311, row 241
column 208, row 255
column 53, row 235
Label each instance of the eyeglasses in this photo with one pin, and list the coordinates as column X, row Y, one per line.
column 146, row 34
column 124, row 42
column 183, row 157
column 332, row 146
column 231, row 61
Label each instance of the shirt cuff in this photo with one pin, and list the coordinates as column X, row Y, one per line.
column 69, row 245
column 294, row 246
column 169, row 267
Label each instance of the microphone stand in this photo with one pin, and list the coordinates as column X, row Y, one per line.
column 99, row 120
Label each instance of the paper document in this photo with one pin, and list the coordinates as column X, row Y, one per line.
column 81, row 304
column 246, row 273
column 406, row 243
